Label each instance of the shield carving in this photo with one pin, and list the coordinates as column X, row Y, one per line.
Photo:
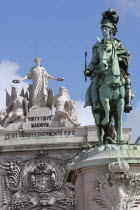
column 43, row 177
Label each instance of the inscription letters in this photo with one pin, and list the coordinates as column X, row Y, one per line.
column 23, row 134
column 40, row 118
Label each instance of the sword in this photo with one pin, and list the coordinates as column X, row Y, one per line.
column 85, row 64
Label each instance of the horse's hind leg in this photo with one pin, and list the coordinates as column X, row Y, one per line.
column 120, row 110
column 115, row 114
column 106, row 106
column 97, row 118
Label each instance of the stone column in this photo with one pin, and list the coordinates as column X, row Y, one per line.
column 107, row 177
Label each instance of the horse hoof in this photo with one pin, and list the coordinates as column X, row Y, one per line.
column 105, row 122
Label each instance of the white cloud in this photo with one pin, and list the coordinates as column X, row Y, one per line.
column 8, row 72
column 127, row 5
column 133, row 121
column 85, row 116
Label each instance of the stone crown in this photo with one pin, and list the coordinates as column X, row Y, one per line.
column 118, row 167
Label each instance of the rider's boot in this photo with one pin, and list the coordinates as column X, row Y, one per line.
column 129, row 96
column 128, row 107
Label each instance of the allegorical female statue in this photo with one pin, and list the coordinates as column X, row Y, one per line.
column 40, row 79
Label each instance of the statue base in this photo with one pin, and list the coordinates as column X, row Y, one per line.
column 107, row 177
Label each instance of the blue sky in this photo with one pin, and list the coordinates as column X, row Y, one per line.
column 59, row 32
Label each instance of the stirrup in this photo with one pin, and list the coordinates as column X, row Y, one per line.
column 128, row 108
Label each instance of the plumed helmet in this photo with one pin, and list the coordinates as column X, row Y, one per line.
column 110, row 19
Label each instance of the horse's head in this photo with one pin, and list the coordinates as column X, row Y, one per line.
column 105, row 51
column 108, row 61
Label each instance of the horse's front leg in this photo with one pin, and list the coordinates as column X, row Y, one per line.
column 120, row 110
column 97, row 118
column 106, row 106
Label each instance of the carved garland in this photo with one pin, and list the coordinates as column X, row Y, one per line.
column 120, row 190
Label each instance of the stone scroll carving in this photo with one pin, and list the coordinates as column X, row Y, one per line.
column 37, row 183
column 12, row 186
column 119, row 189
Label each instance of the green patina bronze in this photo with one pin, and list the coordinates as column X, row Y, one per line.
column 109, row 93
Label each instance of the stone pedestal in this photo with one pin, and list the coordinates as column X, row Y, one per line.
column 107, row 177
column 33, row 164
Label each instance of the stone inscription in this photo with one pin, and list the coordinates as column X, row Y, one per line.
column 36, row 122
column 40, row 118
column 22, row 134
column 39, row 125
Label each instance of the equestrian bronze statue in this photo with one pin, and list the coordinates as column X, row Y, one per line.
column 109, row 93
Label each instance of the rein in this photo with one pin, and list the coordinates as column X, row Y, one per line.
column 109, row 69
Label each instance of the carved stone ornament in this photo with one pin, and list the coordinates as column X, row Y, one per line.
column 118, row 190
column 120, row 166
column 37, row 183
column 43, row 177
column 108, row 147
